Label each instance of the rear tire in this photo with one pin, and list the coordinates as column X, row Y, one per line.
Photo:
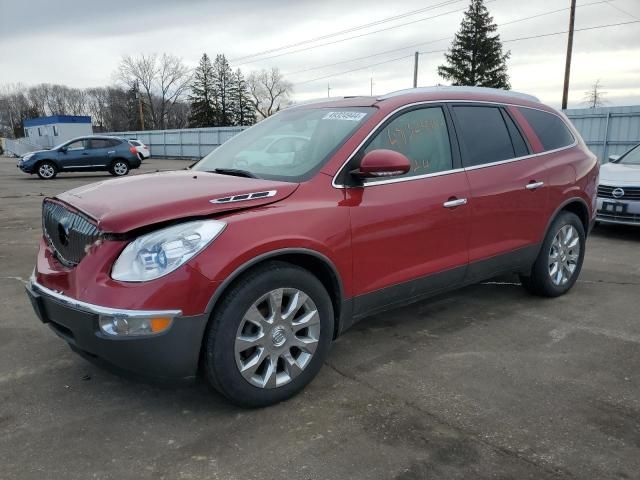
column 47, row 170
column 119, row 168
column 269, row 336
column 560, row 259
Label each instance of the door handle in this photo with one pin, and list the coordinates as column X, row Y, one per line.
column 453, row 203
column 534, row 185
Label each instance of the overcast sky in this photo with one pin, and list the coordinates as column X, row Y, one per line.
column 80, row 43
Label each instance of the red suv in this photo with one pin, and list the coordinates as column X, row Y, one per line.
column 248, row 265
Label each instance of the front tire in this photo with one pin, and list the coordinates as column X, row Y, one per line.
column 560, row 259
column 269, row 336
column 119, row 168
column 47, row 170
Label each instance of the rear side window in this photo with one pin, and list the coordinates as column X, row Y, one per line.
column 98, row 143
column 422, row 136
column 114, row 143
column 484, row 136
column 550, row 129
column 134, row 143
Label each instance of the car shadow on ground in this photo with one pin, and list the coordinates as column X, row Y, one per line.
column 617, row 232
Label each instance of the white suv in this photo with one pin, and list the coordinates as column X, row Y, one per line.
column 619, row 189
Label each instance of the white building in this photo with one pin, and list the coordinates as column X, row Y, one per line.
column 56, row 129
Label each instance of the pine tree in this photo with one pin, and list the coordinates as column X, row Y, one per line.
column 223, row 86
column 244, row 112
column 203, row 95
column 476, row 57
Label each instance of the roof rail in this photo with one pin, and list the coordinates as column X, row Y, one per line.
column 439, row 88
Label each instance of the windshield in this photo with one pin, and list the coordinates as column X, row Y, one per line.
column 289, row 146
column 631, row 158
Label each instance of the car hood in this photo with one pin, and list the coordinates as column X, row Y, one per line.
column 616, row 174
column 124, row 204
column 36, row 152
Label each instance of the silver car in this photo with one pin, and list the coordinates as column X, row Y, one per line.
column 619, row 189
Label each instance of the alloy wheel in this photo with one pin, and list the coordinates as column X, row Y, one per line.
column 46, row 170
column 564, row 255
column 120, row 168
column 277, row 337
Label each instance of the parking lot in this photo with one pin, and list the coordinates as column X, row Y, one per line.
column 486, row 382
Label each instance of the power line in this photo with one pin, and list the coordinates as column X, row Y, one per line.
column 349, row 30
column 435, row 41
column 621, row 10
column 440, row 51
column 357, row 36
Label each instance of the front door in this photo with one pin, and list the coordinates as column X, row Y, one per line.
column 508, row 190
column 410, row 233
column 74, row 155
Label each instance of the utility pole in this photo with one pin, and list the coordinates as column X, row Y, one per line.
column 371, row 87
column 415, row 69
column 328, row 89
column 567, row 68
column 140, row 109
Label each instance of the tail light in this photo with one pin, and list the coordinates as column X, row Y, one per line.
column 133, row 150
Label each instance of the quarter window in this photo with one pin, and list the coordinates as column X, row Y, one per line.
column 550, row 129
column 484, row 137
column 519, row 145
column 422, row 136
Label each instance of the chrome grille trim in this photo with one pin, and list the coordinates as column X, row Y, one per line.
column 630, row 193
column 67, row 233
column 244, row 197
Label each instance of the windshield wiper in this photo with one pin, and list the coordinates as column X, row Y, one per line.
column 235, row 172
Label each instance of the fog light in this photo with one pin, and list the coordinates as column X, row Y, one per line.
column 124, row 326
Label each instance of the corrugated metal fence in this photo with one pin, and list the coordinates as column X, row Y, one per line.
column 608, row 130
column 188, row 142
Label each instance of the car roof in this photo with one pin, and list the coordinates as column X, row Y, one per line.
column 100, row 137
column 427, row 94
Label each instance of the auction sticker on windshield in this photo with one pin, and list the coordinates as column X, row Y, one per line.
column 352, row 116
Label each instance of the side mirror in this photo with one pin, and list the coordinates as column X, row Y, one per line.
column 614, row 158
column 63, row 149
column 382, row 163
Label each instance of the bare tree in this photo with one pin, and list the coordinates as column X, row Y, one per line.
column 269, row 91
column 594, row 97
column 163, row 82
column 14, row 109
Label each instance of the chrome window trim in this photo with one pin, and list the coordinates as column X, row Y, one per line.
column 455, row 170
column 97, row 309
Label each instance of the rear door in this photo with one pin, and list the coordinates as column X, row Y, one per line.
column 98, row 156
column 508, row 189
column 409, row 233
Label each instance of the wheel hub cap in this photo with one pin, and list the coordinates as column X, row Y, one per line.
column 277, row 337
column 564, row 255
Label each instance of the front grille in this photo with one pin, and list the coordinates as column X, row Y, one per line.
column 618, row 217
column 630, row 193
column 68, row 233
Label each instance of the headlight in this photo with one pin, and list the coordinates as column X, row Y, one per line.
column 27, row 157
column 159, row 253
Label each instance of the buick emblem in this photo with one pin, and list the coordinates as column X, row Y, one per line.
column 618, row 193
column 64, row 227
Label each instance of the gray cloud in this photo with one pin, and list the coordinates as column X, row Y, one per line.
column 80, row 43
